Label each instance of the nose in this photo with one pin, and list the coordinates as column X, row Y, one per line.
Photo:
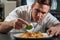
column 39, row 15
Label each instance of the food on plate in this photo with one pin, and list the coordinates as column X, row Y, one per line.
column 31, row 35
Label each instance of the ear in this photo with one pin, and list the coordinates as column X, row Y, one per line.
column 49, row 9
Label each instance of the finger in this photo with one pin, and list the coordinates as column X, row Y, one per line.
column 48, row 31
column 18, row 26
column 53, row 32
column 57, row 33
column 23, row 21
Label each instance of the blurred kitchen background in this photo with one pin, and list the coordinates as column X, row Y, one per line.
column 6, row 6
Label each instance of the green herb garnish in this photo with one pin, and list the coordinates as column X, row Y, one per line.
column 29, row 27
column 36, row 32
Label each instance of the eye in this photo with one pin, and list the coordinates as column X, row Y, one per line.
column 36, row 11
column 43, row 12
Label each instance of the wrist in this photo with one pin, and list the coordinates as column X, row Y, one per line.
column 11, row 24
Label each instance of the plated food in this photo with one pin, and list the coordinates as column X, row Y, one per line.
column 33, row 35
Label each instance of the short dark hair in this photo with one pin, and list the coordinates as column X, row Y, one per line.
column 46, row 2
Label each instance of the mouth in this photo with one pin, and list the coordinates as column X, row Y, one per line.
column 37, row 19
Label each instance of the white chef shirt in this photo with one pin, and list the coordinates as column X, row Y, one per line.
column 24, row 12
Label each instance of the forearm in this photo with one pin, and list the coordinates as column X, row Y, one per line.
column 5, row 27
column 56, row 25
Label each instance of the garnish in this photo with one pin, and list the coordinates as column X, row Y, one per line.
column 29, row 27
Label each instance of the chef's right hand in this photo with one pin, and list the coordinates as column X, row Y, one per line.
column 17, row 24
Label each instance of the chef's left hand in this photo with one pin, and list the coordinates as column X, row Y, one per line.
column 55, row 31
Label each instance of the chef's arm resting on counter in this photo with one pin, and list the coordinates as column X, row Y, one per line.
column 54, row 30
column 5, row 27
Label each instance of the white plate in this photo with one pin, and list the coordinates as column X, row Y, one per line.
column 45, row 35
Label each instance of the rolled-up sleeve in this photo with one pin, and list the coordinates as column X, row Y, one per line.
column 52, row 21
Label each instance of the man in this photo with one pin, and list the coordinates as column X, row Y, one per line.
column 37, row 14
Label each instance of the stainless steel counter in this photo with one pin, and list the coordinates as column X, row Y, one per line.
column 5, row 37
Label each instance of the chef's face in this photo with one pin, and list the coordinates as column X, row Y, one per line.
column 39, row 12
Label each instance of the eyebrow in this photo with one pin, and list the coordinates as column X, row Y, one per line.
column 40, row 11
column 37, row 10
